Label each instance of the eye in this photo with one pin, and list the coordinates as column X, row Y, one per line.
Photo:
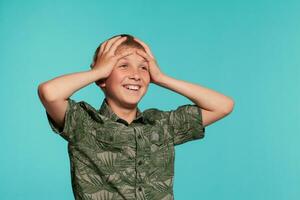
column 123, row 65
column 145, row 68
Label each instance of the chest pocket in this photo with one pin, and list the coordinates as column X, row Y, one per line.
column 157, row 148
column 110, row 141
column 158, row 137
column 161, row 152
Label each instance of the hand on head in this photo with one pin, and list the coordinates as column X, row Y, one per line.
column 106, row 58
column 154, row 70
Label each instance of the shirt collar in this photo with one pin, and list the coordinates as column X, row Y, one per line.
column 106, row 110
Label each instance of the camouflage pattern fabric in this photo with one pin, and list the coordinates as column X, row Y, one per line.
column 113, row 160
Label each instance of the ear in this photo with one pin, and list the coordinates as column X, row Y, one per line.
column 101, row 83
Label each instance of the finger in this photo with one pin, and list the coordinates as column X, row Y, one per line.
column 116, row 44
column 109, row 43
column 144, row 55
column 101, row 48
column 147, row 49
column 104, row 47
column 124, row 54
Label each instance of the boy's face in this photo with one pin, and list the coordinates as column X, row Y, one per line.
column 130, row 70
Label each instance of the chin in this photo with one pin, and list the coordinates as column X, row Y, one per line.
column 132, row 100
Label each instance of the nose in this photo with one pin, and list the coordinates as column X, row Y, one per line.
column 135, row 74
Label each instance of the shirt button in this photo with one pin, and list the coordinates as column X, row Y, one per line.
column 139, row 136
column 140, row 162
column 140, row 189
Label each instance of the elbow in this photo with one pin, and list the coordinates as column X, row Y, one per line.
column 41, row 91
column 228, row 108
column 44, row 92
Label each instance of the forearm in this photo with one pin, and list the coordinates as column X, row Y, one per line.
column 64, row 86
column 203, row 97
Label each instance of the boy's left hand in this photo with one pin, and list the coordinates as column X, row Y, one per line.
column 155, row 72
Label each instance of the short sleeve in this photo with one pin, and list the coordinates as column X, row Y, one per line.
column 186, row 122
column 73, row 119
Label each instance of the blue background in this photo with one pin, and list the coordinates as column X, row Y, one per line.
column 248, row 50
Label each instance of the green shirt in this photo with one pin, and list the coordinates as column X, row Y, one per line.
column 113, row 160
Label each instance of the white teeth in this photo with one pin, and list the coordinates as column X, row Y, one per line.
column 132, row 87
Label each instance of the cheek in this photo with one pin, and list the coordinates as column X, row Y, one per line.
column 147, row 77
column 114, row 79
column 116, row 76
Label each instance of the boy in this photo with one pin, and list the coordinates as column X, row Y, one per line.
column 119, row 152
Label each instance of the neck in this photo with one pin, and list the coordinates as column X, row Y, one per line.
column 126, row 113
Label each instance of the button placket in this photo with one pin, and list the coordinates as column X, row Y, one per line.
column 139, row 157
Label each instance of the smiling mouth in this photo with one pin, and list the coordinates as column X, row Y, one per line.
column 132, row 88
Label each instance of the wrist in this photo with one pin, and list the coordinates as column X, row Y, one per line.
column 161, row 79
column 97, row 74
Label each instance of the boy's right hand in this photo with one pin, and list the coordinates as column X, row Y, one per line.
column 106, row 58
